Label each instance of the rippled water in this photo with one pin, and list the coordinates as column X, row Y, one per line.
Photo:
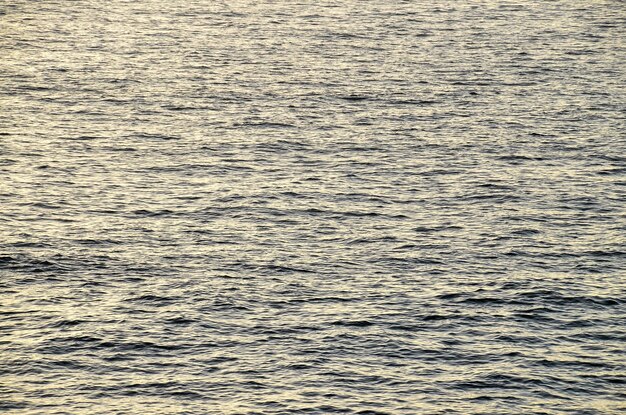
column 303, row 207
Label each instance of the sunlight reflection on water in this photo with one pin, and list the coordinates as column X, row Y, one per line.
column 312, row 207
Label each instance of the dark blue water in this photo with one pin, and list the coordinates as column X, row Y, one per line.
column 302, row 207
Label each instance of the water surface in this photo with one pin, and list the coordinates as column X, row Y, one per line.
column 312, row 207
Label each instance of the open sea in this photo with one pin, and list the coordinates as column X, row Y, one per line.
column 312, row 207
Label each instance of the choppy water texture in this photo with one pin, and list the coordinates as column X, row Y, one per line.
column 303, row 207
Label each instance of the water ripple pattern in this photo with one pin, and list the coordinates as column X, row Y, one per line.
column 312, row 207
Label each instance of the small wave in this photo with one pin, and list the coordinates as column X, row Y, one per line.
column 416, row 102
column 153, row 300
column 154, row 136
column 354, row 98
column 151, row 213
column 353, row 323
column 264, row 125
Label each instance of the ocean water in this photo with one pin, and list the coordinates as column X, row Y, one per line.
column 312, row 207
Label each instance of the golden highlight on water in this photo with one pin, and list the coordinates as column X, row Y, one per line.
column 312, row 207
